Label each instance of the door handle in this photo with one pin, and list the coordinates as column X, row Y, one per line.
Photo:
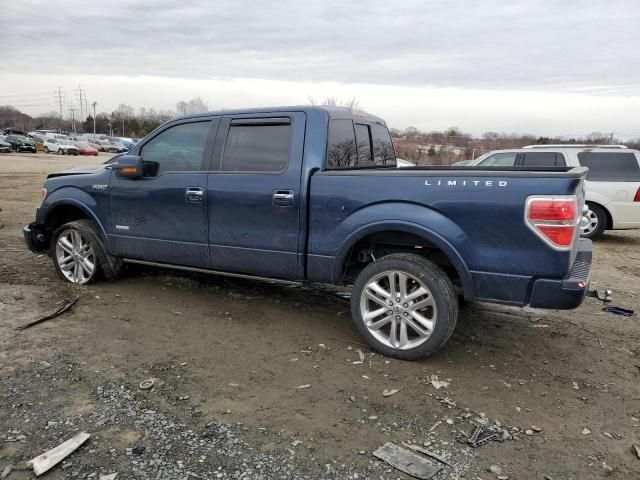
column 194, row 195
column 283, row 198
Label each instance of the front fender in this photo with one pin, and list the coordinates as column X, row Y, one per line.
column 75, row 197
column 440, row 232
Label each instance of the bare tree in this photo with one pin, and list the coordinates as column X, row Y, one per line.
column 195, row 105
column 331, row 101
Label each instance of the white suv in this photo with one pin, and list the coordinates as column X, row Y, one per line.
column 613, row 182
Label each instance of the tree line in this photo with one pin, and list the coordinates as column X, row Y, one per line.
column 124, row 121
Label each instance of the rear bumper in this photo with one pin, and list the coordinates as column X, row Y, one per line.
column 37, row 237
column 569, row 292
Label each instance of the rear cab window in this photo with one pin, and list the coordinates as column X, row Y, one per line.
column 358, row 144
column 611, row 166
column 257, row 145
column 543, row 159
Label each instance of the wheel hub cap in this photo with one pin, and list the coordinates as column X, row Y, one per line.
column 398, row 309
column 75, row 257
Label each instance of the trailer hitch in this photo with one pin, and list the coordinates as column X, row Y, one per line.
column 606, row 300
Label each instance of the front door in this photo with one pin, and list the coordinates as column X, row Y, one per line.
column 162, row 216
column 253, row 194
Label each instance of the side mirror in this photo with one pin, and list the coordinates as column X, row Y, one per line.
column 128, row 166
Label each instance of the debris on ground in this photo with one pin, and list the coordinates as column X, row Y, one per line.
column 388, row 393
column 406, row 461
column 46, row 461
column 437, row 383
column 637, row 449
column 495, row 469
column 147, row 384
column 111, row 476
column 428, row 453
column 66, row 306
column 479, row 436
column 306, row 385
column 586, row 431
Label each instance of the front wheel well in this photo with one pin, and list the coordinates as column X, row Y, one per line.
column 380, row 244
column 64, row 214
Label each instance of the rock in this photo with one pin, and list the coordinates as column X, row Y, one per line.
column 5, row 473
column 586, row 431
column 529, row 432
column 536, row 429
column 111, row 476
column 306, row 385
column 637, row 450
column 495, row 469
column 503, row 477
column 576, row 386
column 388, row 393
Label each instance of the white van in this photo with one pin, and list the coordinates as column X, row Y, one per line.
column 613, row 183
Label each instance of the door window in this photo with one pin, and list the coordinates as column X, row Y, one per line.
column 505, row 159
column 543, row 159
column 341, row 151
column 257, row 148
column 177, row 149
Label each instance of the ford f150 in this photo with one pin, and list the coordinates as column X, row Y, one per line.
column 311, row 194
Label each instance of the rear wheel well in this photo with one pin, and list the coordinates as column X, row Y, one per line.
column 609, row 224
column 379, row 244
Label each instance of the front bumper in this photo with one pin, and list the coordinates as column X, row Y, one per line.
column 569, row 292
column 37, row 237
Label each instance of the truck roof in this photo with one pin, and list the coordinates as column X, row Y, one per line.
column 331, row 111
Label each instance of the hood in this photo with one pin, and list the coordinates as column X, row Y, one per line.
column 80, row 170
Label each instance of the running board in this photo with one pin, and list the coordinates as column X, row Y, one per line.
column 212, row 272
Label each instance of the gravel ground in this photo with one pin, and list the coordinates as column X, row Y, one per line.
column 560, row 389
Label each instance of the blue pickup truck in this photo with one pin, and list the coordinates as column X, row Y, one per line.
column 312, row 194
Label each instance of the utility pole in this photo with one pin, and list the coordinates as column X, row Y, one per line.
column 73, row 119
column 94, row 120
column 123, row 114
column 81, row 94
column 60, row 95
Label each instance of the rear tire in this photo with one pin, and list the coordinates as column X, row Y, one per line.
column 79, row 255
column 410, row 319
column 593, row 223
column 46, row 149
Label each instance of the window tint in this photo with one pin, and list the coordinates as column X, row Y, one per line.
column 383, row 153
column 257, row 148
column 610, row 166
column 543, row 159
column 507, row 159
column 342, row 144
column 364, row 144
column 178, row 149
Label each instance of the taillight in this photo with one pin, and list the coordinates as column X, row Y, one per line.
column 637, row 197
column 554, row 219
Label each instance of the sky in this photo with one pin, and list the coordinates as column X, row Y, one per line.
column 546, row 67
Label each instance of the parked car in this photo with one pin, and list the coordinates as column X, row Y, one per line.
column 612, row 186
column 61, row 147
column 86, row 149
column 20, row 143
column 108, row 146
column 5, row 147
column 289, row 194
column 118, row 147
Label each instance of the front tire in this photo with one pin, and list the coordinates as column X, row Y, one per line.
column 79, row 255
column 46, row 149
column 593, row 222
column 404, row 306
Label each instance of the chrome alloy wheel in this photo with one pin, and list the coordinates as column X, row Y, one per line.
column 588, row 222
column 75, row 257
column 398, row 309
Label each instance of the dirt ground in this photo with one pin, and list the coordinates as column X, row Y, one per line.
column 228, row 355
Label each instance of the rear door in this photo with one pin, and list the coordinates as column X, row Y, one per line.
column 253, row 194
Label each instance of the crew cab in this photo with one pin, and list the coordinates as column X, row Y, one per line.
column 312, row 194
column 612, row 187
